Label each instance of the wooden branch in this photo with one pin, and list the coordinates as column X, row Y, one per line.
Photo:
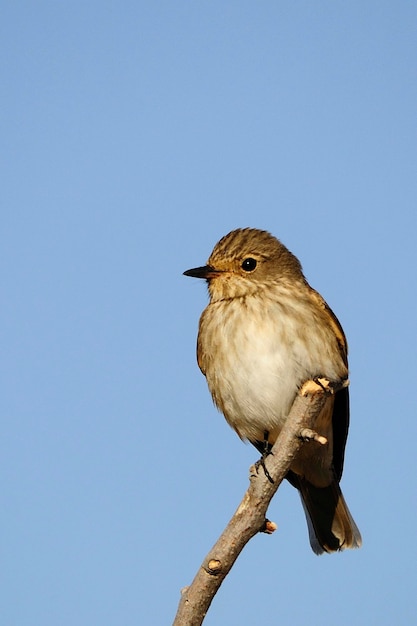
column 249, row 518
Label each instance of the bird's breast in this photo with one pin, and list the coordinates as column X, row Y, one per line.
column 255, row 354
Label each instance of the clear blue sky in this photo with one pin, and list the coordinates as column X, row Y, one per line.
column 135, row 135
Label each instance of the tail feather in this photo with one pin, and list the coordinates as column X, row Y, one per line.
column 330, row 525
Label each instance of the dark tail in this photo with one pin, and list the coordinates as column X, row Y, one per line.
column 330, row 524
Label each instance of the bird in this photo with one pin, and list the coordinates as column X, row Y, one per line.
column 264, row 332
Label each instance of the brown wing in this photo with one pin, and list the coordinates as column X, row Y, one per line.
column 340, row 418
column 333, row 322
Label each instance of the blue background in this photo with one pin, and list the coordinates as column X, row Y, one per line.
column 135, row 135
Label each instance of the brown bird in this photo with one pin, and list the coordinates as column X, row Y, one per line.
column 264, row 333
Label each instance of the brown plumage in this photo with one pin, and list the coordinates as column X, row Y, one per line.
column 264, row 333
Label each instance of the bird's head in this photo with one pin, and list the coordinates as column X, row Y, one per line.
column 246, row 261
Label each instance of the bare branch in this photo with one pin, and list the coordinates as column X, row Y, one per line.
column 249, row 518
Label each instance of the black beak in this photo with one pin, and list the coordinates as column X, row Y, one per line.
column 202, row 272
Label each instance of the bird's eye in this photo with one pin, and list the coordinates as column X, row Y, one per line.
column 249, row 264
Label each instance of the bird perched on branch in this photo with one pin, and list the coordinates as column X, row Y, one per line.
column 263, row 334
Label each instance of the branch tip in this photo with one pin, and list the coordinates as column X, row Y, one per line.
column 269, row 527
column 306, row 434
column 313, row 387
column 214, row 566
column 322, row 385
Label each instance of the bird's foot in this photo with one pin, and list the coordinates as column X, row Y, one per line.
column 261, row 463
column 266, row 452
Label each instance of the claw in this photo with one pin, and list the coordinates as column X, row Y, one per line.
column 261, row 463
